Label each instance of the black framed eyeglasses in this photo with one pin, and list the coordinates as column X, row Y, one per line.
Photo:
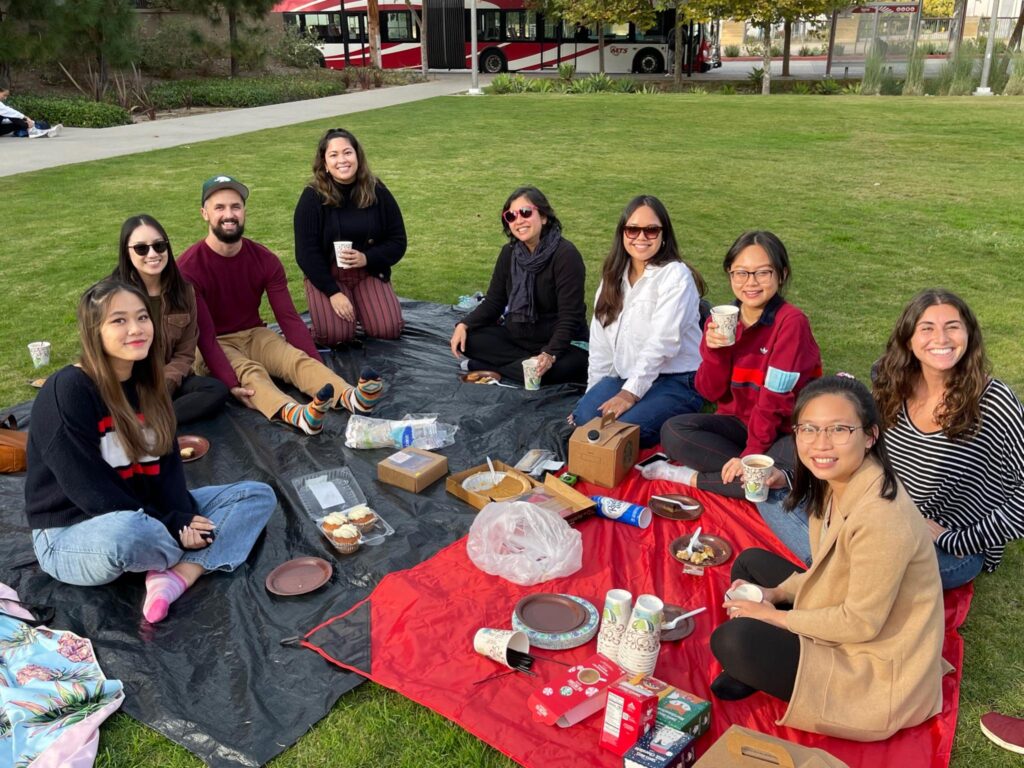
column 760, row 275
column 141, row 249
column 649, row 232
column 838, row 434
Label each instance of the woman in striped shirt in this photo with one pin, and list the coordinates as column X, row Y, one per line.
column 955, row 434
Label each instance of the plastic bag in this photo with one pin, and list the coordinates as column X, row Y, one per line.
column 416, row 430
column 523, row 543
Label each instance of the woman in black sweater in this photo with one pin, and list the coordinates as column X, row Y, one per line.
column 534, row 307
column 349, row 233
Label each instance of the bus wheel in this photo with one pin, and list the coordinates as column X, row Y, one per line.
column 492, row 62
column 648, row 62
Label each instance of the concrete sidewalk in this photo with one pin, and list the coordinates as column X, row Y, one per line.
column 79, row 145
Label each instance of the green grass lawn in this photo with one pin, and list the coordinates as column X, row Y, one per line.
column 875, row 199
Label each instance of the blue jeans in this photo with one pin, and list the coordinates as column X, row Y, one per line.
column 790, row 527
column 957, row 571
column 98, row 550
column 669, row 395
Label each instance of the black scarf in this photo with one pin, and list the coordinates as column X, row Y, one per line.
column 525, row 266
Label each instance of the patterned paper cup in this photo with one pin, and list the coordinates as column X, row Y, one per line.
column 726, row 318
column 40, row 351
column 339, row 247
column 494, row 643
column 756, row 469
column 531, row 377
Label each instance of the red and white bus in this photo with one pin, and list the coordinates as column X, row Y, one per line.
column 510, row 37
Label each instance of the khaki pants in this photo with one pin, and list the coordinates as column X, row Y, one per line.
column 257, row 354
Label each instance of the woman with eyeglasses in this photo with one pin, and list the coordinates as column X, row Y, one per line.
column 146, row 260
column 534, row 305
column 854, row 643
column 349, row 235
column 645, row 332
column 105, row 492
column 955, row 434
column 754, row 381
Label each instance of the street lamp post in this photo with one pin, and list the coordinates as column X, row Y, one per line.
column 475, row 75
column 986, row 68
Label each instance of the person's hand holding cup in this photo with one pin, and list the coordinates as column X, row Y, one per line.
column 721, row 330
column 343, row 254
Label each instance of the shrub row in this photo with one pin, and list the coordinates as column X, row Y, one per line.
column 77, row 113
column 246, row 92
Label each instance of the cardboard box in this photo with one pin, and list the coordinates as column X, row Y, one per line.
column 676, row 708
column 606, row 459
column 662, row 747
column 555, row 495
column 628, row 715
column 577, row 694
column 742, row 747
column 515, row 485
column 412, row 469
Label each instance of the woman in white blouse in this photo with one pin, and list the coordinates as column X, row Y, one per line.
column 645, row 335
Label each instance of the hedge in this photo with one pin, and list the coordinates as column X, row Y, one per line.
column 77, row 113
column 245, row 92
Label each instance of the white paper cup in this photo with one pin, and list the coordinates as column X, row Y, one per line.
column 339, row 246
column 494, row 644
column 40, row 351
column 531, row 378
column 756, row 469
column 750, row 592
column 726, row 318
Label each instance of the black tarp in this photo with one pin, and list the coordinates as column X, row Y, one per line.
column 213, row 677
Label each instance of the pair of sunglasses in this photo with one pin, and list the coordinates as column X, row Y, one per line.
column 650, row 232
column 525, row 213
column 141, row 249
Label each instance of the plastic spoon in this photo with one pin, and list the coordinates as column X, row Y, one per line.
column 494, row 476
column 672, row 624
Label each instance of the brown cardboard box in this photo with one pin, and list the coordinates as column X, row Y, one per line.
column 412, row 469
column 606, row 460
column 515, row 484
column 555, row 495
column 744, row 748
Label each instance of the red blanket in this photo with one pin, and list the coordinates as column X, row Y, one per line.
column 414, row 634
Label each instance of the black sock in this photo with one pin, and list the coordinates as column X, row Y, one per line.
column 728, row 688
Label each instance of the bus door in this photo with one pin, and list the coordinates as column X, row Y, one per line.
column 446, row 34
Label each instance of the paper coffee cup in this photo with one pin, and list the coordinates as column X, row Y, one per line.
column 756, row 469
column 40, row 351
column 726, row 318
column 750, row 592
column 531, row 378
column 495, row 643
column 339, row 246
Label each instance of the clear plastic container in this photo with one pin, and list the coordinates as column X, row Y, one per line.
column 336, row 490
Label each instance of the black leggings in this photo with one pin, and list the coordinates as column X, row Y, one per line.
column 199, row 397
column 763, row 656
column 16, row 124
column 706, row 441
column 494, row 346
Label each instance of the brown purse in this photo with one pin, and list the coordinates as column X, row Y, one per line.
column 13, row 447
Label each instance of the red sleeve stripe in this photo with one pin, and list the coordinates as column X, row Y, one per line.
column 746, row 376
column 139, row 469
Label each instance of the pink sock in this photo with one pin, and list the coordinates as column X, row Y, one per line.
column 162, row 589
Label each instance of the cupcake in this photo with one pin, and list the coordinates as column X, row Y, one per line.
column 345, row 539
column 362, row 517
column 333, row 522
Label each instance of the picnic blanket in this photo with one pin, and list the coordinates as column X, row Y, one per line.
column 414, row 634
column 213, row 677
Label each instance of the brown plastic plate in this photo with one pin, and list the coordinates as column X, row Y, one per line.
column 675, row 506
column 480, row 377
column 299, row 576
column 721, row 548
column 37, row 383
column 201, row 445
column 551, row 613
column 683, row 629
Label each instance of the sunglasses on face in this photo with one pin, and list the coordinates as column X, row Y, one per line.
column 650, row 232
column 525, row 213
column 141, row 249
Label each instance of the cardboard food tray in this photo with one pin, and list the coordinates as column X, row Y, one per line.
column 480, row 499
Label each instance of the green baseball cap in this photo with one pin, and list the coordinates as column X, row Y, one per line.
column 217, row 183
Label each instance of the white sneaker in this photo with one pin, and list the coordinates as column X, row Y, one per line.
column 37, row 133
column 55, row 131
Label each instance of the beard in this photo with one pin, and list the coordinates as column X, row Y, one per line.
column 228, row 237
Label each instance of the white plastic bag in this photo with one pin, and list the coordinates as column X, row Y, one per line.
column 523, row 543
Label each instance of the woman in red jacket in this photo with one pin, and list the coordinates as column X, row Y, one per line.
column 754, row 380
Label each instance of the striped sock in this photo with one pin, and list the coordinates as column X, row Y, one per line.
column 162, row 589
column 310, row 417
column 363, row 396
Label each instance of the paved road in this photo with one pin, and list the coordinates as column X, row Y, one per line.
column 79, row 145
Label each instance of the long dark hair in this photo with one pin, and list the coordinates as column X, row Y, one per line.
column 772, row 245
column 898, row 370
column 609, row 302
column 364, row 192
column 539, row 200
column 147, row 375
column 806, row 487
column 174, row 291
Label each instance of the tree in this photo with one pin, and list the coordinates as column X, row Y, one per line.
column 418, row 20
column 235, row 11
column 23, row 35
column 602, row 13
column 938, row 9
column 98, row 33
column 373, row 31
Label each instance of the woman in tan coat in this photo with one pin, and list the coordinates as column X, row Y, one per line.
column 855, row 642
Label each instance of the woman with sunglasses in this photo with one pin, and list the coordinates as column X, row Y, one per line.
column 955, row 434
column 754, row 380
column 105, row 491
column 146, row 260
column 345, row 203
column 646, row 327
column 854, row 643
column 534, row 305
